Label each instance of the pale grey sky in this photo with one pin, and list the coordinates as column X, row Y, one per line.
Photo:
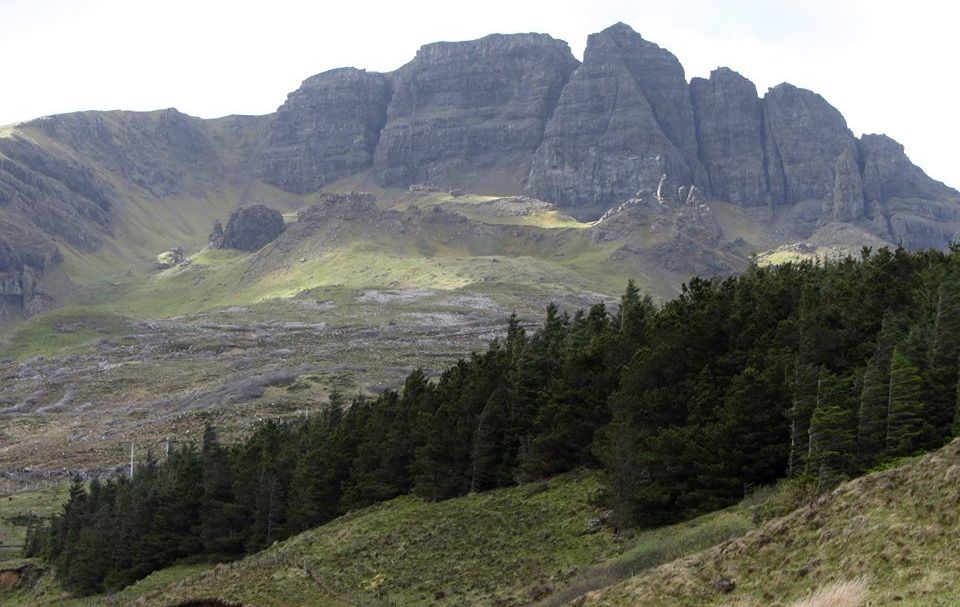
column 889, row 66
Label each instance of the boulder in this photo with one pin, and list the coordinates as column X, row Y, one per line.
column 171, row 259
column 253, row 227
column 215, row 239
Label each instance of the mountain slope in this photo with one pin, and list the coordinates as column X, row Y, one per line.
column 898, row 530
column 514, row 546
column 93, row 193
column 895, row 530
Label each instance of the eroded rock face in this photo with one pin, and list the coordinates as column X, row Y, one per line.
column 729, row 119
column 470, row 115
column 805, row 136
column 156, row 152
column 58, row 195
column 22, row 263
column 504, row 114
column 604, row 141
column 326, row 130
column 847, row 203
column 252, row 228
column 888, row 173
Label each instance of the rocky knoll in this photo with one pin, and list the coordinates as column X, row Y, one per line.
column 470, row 115
column 249, row 229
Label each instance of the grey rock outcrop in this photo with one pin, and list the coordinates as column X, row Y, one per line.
column 171, row 259
column 505, row 114
column 215, row 239
column 729, row 119
column 327, row 129
column 847, row 201
column 888, row 173
column 23, row 261
column 606, row 140
column 252, row 228
column 470, row 115
column 805, row 136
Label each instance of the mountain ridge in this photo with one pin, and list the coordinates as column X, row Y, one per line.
column 505, row 115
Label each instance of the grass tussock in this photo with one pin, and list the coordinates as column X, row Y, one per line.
column 839, row 594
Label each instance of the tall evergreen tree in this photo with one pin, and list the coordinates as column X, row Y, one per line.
column 220, row 524
column 872, row 416
column 875, row 394
column 802, row 405
column 905, row 424
column 940, row 385
column 832, row 442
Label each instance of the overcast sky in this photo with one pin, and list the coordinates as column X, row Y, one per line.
column 888, row 66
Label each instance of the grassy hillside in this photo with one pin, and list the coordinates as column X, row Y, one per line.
column 518, row 546
column 888, row 538
column 896, row 531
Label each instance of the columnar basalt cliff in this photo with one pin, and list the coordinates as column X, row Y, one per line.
column 506, row 115
column 729, row 118
column 327, row 129
column 604, row 141
column 471, row 114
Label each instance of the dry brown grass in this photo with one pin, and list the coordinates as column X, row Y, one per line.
column 839, row 594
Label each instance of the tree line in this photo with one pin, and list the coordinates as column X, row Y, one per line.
column 817, row 370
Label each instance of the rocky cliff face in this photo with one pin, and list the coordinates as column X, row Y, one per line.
column 604, row 141
column 505, row 114
column 805, row 137
column 327, row 129
column 23, row 259
column 155, row 152
column 471, row 114
column 729, row 118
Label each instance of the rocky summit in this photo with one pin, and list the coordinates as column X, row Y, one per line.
column 504, row 115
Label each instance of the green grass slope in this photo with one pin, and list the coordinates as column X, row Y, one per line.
column 896, row 532
column 891, row 537
column 519, row 546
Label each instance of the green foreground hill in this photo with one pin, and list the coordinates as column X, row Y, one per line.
column 890, row 537
column 541, row 542
column 896, row 532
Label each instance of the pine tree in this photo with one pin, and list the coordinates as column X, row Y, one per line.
column 618, row 447
column 832, row 442
column 489, row 470
column 872, row 416
column 218, row 514
column 905, row 424
column 803, row 403
column 941, row 377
